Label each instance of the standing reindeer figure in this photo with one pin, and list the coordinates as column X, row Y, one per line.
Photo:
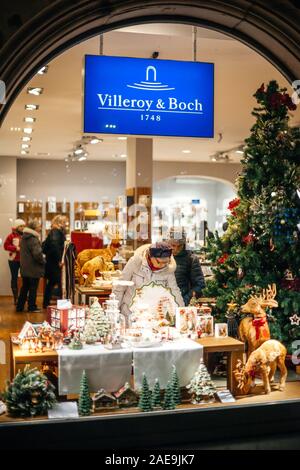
column 254, row 330
column 263, row 361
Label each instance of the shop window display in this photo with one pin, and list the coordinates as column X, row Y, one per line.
column 239, row 304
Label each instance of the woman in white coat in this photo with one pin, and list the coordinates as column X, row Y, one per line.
column 150, row 263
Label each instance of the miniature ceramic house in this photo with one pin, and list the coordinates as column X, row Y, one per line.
column 27, row 332
column 103, row 400
column 64, row 319
column 126, row 396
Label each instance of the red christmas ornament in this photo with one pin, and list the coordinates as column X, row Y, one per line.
column 248, row 238
column 223, row 258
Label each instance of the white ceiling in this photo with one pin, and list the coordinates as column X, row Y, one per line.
column 239, row 71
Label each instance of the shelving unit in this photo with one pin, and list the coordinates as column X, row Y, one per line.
column 30, row 211
column 81, row 215
column 57, row 208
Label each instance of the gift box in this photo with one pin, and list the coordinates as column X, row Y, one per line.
column 67, row 318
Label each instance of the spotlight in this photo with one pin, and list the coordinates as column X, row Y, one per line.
column 35, row 90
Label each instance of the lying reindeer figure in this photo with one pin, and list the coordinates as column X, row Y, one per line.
column 264, row 361
column 254, row 330
column 97, row 264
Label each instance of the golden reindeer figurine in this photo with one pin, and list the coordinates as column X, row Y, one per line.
column 254, row 330
column 264, row 362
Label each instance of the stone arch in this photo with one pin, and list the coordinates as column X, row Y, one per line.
column 266, row 27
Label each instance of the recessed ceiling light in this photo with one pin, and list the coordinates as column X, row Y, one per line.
column 78, row 151
column 31, row 107
column 29, row 119
column 22, row 196
column 123, row 155
column 95, row 140
column 27, row 130
column 25, row 146
column 15, row 129
column 24, row 152
column 122, row 138
column 43, row 70
column 25, row 138
column 186, row 151
column 36, row 91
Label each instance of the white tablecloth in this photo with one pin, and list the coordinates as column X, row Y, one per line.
column 157, row 362
column 108, row 369
column 111, row 369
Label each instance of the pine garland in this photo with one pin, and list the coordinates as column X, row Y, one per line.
column 30, row 394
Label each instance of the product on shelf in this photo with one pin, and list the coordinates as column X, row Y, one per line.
column 201, row 387
column 29, row 394
column 84, row 401
column 126, row 396
column 103, row 400
column 65, row 318
column 264, row 362
column 255, row 330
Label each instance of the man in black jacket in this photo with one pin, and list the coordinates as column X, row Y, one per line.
column 189, row 275
column 32, row 265
column 53, row 248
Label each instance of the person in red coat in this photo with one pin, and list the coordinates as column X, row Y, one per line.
column 12, row 245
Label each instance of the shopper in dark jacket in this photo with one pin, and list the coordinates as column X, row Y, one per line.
column 189, row 275
column 53, row 248
column 12, row 245
column 32, row 267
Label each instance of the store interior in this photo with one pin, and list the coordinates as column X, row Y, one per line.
column 50, row 167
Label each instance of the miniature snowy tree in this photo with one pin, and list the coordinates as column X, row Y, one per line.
column 145, row 396
column 90, row 335
column 84, row 402
column 156, row 395
column 30, row 394
column 175, row 386
column 169, row 403
column 201, row 386
column 101, row 322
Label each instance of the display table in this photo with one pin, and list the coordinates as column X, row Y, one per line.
column 108, row 369
column 19, row 357
column 82, row 294
column 232, row 347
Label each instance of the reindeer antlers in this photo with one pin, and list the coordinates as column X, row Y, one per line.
column 267, row 296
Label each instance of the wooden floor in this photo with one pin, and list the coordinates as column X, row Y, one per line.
column 11, row 322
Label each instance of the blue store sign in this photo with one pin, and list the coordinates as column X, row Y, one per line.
column 148, row 97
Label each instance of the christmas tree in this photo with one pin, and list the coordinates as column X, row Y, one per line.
column 175, row 386
column 100, row 320
column 84, row 402
column 201, row 387
column 30, row 394
column 145, row 396
column 90, row 335
column 169, row 402
column 261, row 245
column 156, row 395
